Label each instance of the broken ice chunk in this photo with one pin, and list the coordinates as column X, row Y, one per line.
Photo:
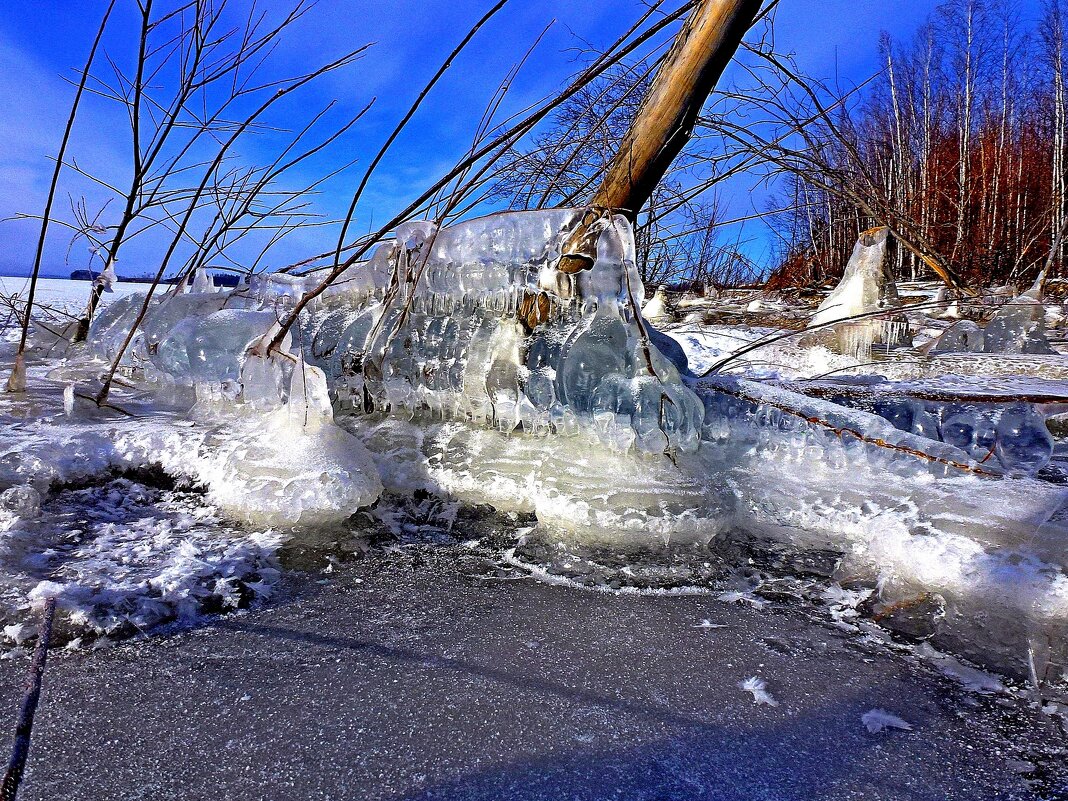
column 1018, row 327
column 23, row 502
column 964, row 336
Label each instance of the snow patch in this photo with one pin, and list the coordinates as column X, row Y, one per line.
column 879, row 720
column 758, row 688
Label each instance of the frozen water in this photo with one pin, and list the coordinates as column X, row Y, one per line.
column 656, row 310
column 125, row 556
column 865, row 286
column 458, row 353
column 217, row 345
column 112, row 325
column 440, row 328
column 963, row 336
column 879, row 720
column 1024, row 443
column 1017, row 327
column 758, row 688
column 21, row 502
column 162, row 318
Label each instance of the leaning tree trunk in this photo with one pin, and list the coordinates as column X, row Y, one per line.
column 667, row 115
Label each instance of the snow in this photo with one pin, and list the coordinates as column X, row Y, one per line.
column 758, row 688
column 879, row 720
column 63, row 293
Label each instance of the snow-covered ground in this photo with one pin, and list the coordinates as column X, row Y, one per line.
column 55, row 298
column 62, row 293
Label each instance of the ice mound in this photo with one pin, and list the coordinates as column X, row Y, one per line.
column 292, row 465
column 866, row 287
column 1018, row 327
column 271, row 460
column 276, row 459
column 475, row 323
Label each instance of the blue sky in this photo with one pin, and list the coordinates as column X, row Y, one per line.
column 43, row 40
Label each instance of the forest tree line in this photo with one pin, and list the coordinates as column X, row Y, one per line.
column 959, row 143
column 961, row 140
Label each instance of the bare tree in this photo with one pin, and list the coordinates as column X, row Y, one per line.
column 197, row 66
column 17, row 379
column 491, row 149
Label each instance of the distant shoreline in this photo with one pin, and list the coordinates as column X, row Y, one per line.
column 218, row 279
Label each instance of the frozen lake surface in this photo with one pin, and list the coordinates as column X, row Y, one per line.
column 426, row 671
column 62, row 292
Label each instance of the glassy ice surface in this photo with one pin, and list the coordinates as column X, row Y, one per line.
column 111, row 326
column 218, row 344
column 171, row 310
column 964, row 336
column 439, row 324
column 1023, row 442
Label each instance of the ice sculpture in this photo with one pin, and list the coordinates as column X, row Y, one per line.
column 474, row 323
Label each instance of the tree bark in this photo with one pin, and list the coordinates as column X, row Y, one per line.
column 667, row 115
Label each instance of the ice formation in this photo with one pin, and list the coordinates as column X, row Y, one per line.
column 657, row 310
column 1018, row 327
column 461, row 361
column 879, row 720
column 866, row 287
column 758, row 688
